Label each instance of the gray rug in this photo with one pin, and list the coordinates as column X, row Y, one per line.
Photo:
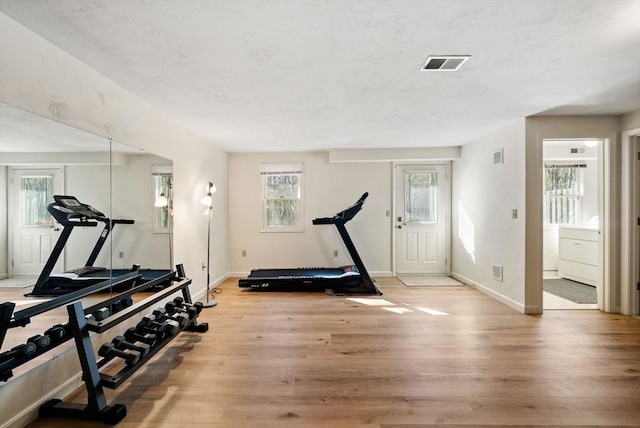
column 18, row 282
column 429, row 281
column 571, row 290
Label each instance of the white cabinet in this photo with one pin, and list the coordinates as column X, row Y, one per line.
column 578, row 254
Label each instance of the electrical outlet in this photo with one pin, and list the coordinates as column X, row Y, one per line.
column 121, row 254
column 335, row 253
column 244, row 253
column 514, row 214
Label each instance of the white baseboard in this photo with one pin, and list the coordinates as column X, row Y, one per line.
column 203, row 291
column 494, row 294
column 381, row 273
column 238, row 274
column 29, row 413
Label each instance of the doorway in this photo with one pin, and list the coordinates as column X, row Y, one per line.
column 422, row 219
column 33, row 230
column 572, row 238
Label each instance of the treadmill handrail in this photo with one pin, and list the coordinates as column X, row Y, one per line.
column 82, row 215
column 345, row 215
column 102, row 238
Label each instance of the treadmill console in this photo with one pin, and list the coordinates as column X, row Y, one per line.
column 344, row 215
column 67, row 208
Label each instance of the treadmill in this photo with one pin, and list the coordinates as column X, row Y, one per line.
column 344, row 280
column 70, row 213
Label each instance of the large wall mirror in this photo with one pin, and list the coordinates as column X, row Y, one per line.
column 40, row 158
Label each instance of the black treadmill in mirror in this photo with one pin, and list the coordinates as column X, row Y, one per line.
column 343, row 280
column 70, row 213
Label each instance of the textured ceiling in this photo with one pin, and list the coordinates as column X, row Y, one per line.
column 23, row 132
column 315, row 75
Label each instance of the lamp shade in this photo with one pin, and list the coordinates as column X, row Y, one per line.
column 161, row 201
column 207, row 200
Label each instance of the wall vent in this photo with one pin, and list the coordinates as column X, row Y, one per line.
column 498, row 156
column 496, row 272
column 444, row 62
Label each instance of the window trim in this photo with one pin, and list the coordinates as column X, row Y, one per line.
column 276, row 169
column 578, row 195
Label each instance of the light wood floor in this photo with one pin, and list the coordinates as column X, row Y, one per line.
column 412, row 357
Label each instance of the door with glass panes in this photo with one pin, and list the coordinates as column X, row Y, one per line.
column 34, row 230
column 421, row 219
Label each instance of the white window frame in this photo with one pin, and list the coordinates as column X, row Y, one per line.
column 270, row 169
column 577, row 196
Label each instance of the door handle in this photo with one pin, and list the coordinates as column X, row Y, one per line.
column 56, row 229
column 399, row 226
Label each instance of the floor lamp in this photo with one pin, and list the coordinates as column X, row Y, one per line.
column 208, row 201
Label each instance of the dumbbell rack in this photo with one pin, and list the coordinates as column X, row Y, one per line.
column 9, row 319
column 96, row 407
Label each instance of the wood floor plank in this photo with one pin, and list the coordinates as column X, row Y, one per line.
column 414, row 357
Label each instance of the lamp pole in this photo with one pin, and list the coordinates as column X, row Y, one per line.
column 210, row 302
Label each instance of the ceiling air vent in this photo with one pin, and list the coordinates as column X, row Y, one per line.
column 444, row 62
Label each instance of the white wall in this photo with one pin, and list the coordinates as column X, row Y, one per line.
column 4, row 267
column 40, row 78
column 131, row 198
column 328, row 188
column 483, row 230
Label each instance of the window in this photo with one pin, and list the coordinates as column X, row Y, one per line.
column 162, row 197
column 421, row 197
column 562, row 191
column 282, row 197
column 36, row 193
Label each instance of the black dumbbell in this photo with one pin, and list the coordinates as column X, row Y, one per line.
column 173, row 307
column 40, row 341
column 109, row 350
column 197, row 305
column 171, row 327
column 182, row 319
column 133, row 335
column 121, row 304
column 57, row 333
column 19, row 351
column 142, row 328
column 101, row 314
column 121, row 343
column 150, row 321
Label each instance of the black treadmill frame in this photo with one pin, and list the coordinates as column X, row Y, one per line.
column 69, row 219
column 339, row 286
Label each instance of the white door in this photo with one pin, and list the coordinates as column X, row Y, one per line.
column 422, row 219
column 34, row 230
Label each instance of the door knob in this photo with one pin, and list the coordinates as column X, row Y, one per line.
column 399, row 226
